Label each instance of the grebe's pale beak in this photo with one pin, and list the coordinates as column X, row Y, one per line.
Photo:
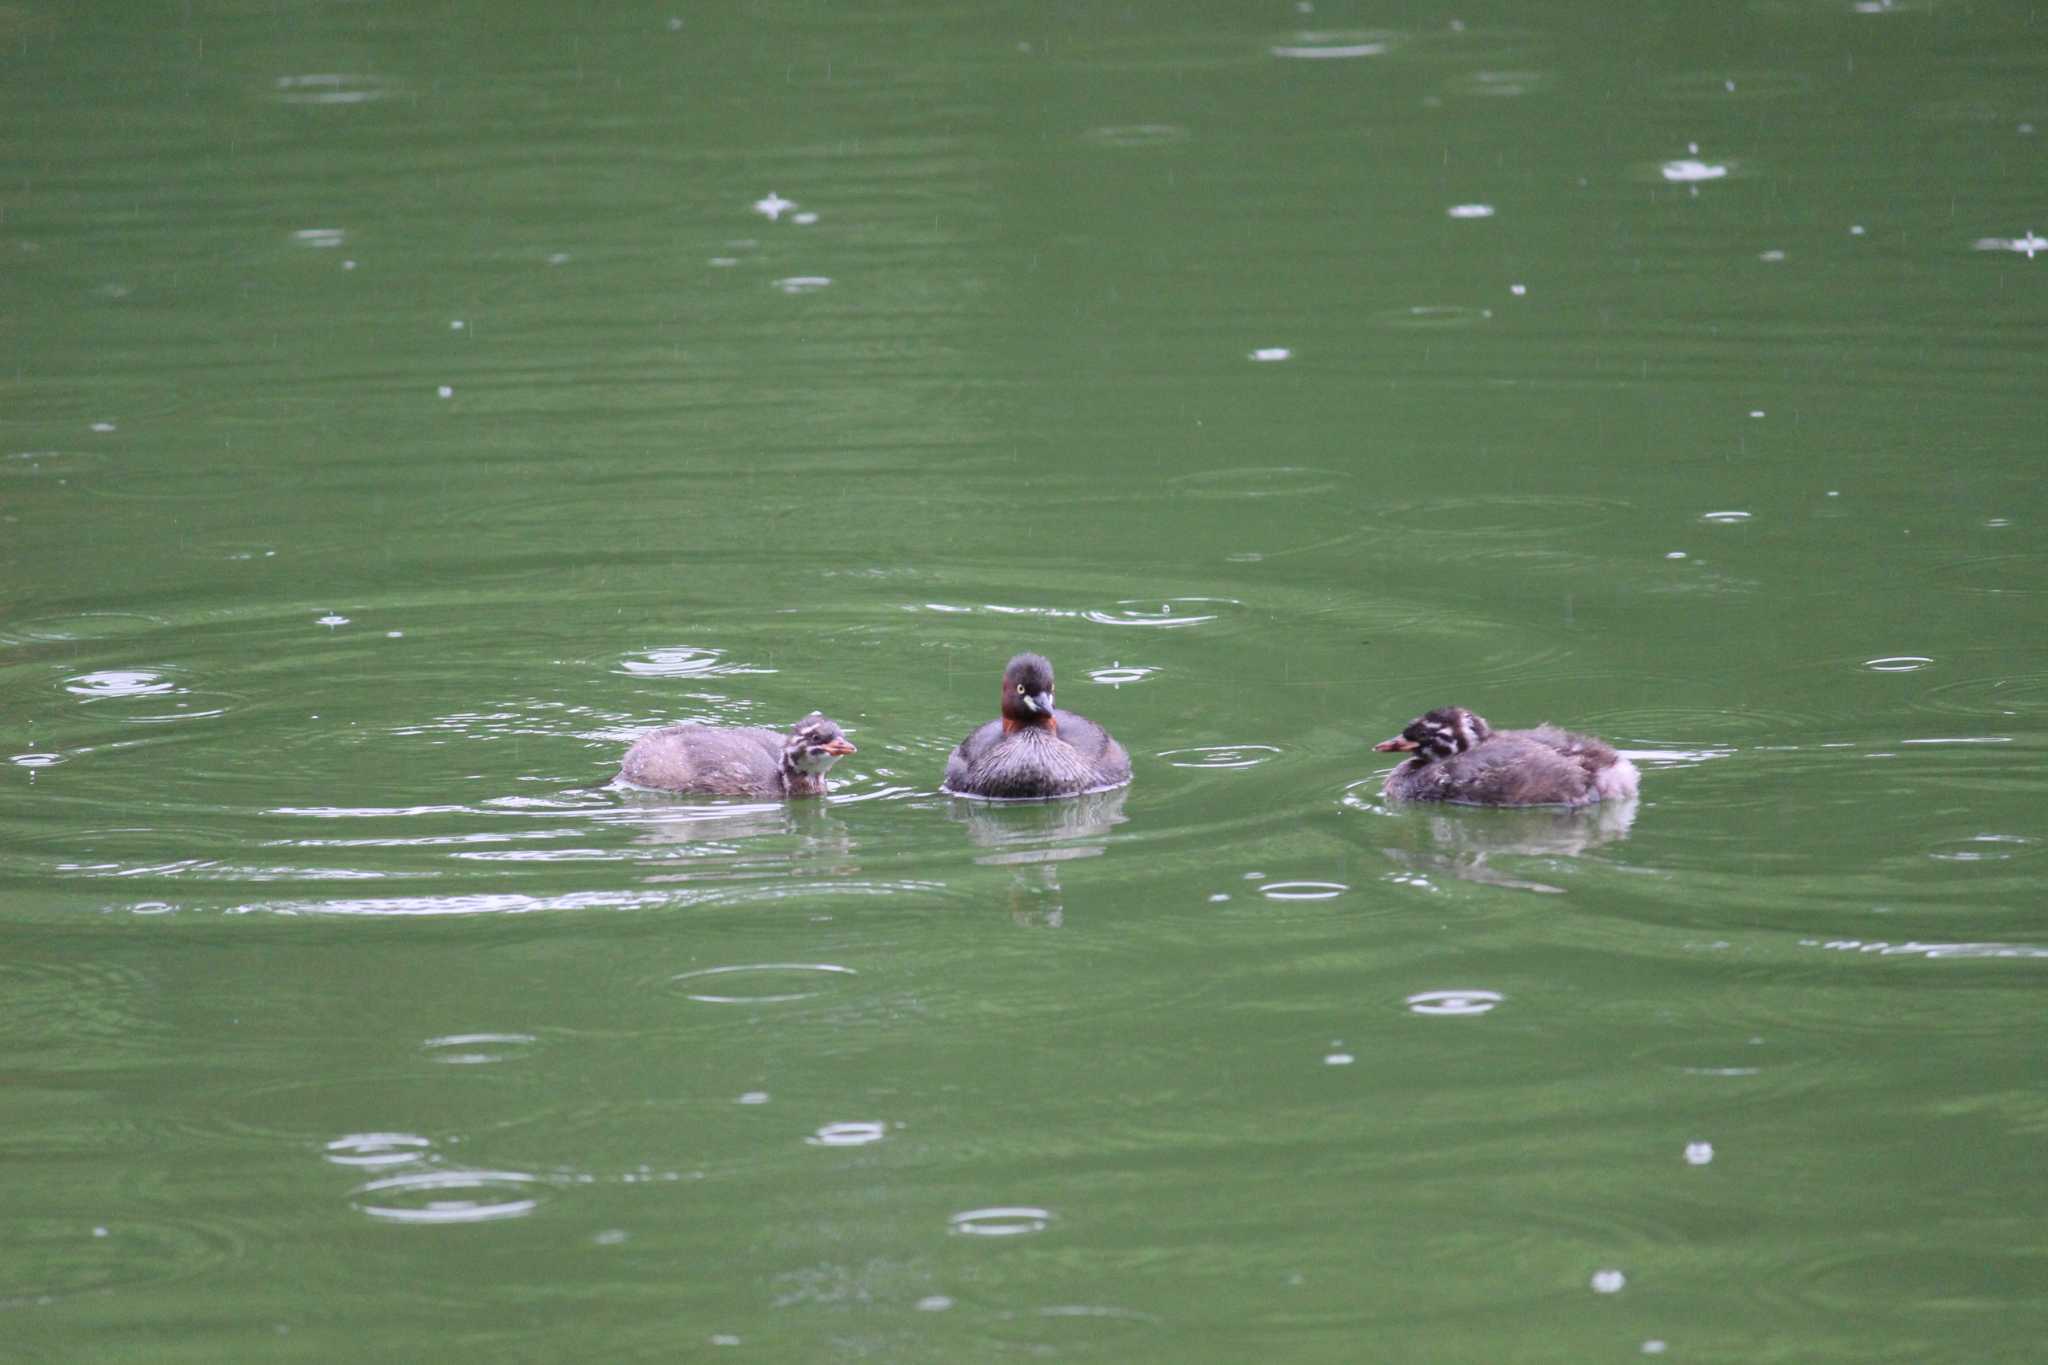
column 1397, row 745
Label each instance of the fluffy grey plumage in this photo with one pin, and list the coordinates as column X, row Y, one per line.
column 1458, row 757
column 749, row 761
column 1035, row 750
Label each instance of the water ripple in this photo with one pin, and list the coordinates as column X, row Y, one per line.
column 476, row 1049
column 1220, row 756
column 455, row 1196
column 777, row 982
column 1174, row 613
column 1336, row 44
column 1006, row 1221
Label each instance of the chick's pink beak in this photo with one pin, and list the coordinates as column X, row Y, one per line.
column 1398, row 744
column 839, row 748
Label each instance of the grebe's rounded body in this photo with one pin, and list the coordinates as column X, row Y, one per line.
column 1034, row 750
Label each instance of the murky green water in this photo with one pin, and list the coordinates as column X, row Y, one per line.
column 407, row 404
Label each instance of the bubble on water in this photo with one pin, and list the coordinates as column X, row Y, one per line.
column 1898, row 663
column 853, row 1134
column 1608, row 1281
column 1469, row 211
column 2029, row 246
column 1699, row 1153
column 1453, row 1002
column 1272, row 353
column 1724, row 518
column 1689, row 171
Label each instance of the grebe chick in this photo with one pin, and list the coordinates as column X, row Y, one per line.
column 748, row 761
column 1456, row 756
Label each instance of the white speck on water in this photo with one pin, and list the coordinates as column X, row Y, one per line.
column 1609, row 1281
column 934, row 1303
column 1857, row 230
column 457, row 325
column 104, row 427
column 1773, row 255
column 1269, row 353
column 1518, row 290
column 754, row 1097
column 1756, row 412
column 331, row 620
column 2030, row 245
column 1655, row 1346
column 1675, row 554
column 1470, row 211
column 1219, row 897
column 445, row 391
column 773, row 206
column 1339, row 1059
column 1699, row 1153
column 804, row 219
column 1691, row 171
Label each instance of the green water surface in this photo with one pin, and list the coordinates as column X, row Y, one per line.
column 408, row 403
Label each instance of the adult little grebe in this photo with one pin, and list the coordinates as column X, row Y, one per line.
column 751, row 761
column 1457, row 756
column 1034, row 750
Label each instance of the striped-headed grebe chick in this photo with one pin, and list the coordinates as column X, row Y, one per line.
column 1456, row 756
column 749, row 761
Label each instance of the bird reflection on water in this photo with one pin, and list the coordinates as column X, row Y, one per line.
column 1033, row 838
column 1461, row 843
